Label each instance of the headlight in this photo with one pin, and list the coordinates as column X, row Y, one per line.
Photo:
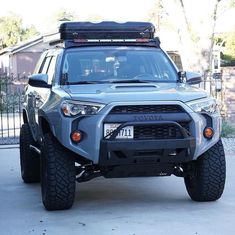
column 208, row 105
column 73, row 108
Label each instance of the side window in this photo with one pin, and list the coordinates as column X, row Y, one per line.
column 45, row 65
column 48, row 67
column 40, row 62
column 51, row 69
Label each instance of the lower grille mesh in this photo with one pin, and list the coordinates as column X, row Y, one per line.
column 159, row 132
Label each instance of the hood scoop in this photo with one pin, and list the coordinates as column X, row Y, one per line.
column 136, row 86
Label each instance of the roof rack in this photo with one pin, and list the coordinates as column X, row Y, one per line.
column 73, row 34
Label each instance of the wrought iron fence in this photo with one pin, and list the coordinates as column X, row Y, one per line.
column 11, row 97
column 12, row 91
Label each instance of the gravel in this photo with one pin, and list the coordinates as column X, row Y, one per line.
column 229, row 145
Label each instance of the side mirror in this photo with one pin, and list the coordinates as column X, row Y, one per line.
column 190, row 77
column 39, row 80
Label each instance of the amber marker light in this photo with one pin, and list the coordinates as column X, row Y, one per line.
column 208, row 132
column 76, row 136
column 65, row 109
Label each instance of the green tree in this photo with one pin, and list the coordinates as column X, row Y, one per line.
column 230, row 45
column 12, row 30
column 29, row 32
column 196, row 32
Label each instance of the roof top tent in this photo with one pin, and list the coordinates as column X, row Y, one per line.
column 106, row 32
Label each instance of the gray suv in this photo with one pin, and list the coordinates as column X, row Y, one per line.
column 106, row 100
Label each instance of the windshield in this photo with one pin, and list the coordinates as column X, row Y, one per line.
column 116, row 64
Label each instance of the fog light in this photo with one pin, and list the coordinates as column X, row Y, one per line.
column 76, row 136
column 208, row 132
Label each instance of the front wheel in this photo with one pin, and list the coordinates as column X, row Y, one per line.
column 207, row 182
column 58, row 175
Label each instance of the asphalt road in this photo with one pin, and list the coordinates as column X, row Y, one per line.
column 134, row 206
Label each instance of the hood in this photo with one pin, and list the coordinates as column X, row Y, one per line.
column 123, row 92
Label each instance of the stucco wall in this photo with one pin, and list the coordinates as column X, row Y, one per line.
column 25, row 63
column 228, row 93
column 21, row 62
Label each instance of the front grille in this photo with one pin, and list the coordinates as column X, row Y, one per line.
column 145, row 132
column 165, row 131
column 140, row 109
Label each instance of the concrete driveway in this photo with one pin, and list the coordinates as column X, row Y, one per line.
column 134, row 206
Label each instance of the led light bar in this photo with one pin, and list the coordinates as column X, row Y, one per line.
column 111, row 40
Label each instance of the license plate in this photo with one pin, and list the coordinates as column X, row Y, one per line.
column 125, row 133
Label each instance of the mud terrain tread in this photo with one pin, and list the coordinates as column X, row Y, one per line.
column 58, row 175
column 208, row 184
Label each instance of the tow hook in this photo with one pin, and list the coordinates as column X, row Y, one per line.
column 86, row 173
column 180, row 171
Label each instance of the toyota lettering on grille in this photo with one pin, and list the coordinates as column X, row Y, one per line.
column 148, row 118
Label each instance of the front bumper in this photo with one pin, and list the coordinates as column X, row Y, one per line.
column 99, row 150
column 123, row 152
column 118, row 152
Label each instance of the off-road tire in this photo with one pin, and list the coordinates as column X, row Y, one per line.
column 207, row 182
column 58, row 175
column 29, row 159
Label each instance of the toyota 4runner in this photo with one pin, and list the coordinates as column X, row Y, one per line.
column 106, row 100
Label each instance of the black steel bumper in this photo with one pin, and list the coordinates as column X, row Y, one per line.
column 130, row 151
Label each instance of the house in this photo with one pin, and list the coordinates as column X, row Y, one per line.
column 19, row 61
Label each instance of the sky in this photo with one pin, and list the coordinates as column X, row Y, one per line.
column 40, row 12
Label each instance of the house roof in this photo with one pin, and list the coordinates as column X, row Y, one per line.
column 22, row 46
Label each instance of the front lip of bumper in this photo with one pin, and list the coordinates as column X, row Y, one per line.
column 109, row 149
